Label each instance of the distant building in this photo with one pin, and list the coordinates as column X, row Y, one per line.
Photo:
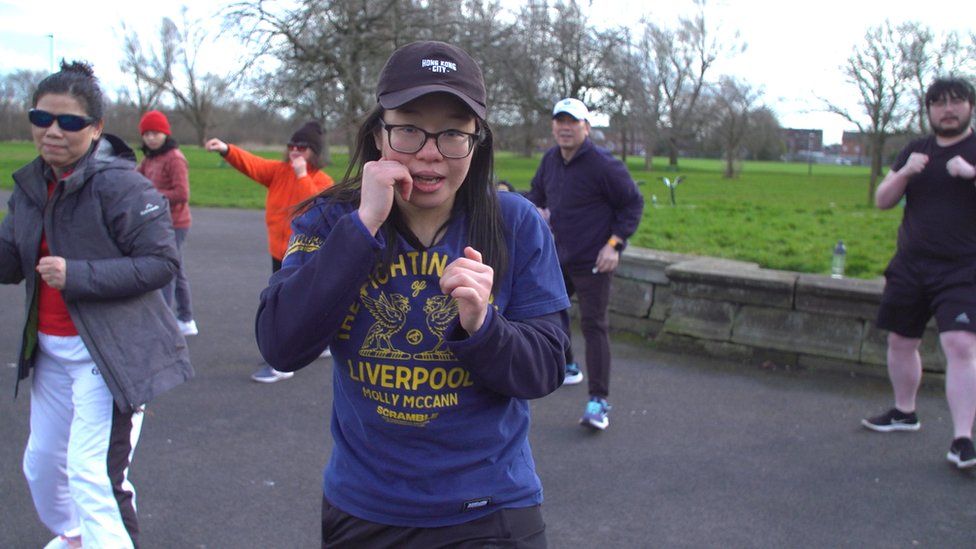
column 802, row 140
column 854, row 147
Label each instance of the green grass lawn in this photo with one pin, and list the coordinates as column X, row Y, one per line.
column 773, row 214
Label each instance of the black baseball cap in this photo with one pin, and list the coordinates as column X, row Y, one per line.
column 429, row 66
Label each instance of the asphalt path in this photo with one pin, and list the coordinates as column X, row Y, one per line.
column 699, row 453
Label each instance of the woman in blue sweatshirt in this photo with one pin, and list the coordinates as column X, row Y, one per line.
column 439, row 298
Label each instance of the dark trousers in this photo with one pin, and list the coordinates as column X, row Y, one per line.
column 515, row 528
column 593, row 293
column 177, row 292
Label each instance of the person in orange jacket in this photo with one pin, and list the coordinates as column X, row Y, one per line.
column 289, row 181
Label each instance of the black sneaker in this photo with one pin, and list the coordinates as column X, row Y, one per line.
column 892, row 420
column 962, row 453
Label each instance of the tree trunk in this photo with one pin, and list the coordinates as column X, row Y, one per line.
column 729, row 164
column 672, row 154
column 648, row 150
column 623, row 153
column 877, row 150
column 527, row 138
column 326, row 155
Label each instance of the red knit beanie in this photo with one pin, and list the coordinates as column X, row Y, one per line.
column 154, row 121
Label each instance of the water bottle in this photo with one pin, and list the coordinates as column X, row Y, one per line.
column 840, row 256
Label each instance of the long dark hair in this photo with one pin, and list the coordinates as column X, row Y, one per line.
column 76, row 79
column 476, row 197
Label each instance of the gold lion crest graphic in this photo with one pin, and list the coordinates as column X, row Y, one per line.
column 441, row 310
column 391, row 315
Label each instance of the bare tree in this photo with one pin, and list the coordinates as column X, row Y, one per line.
column 735, row 101
column 339, row 45
column 877, row 70
column 146, row 67
column 647, row 95
column 16, row 91
column 173, row 67
column 624, row 89
column 527, row 95
column 919, row 66
column 927, row 57
column 683, row 59
column 578, row 52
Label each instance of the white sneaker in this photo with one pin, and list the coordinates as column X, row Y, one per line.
column 267, row 374
column 573, row 374
column 188, row 328
column 326, row 353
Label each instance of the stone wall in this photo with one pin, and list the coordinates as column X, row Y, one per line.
column 736, row 310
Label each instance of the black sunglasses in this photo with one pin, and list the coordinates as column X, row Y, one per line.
column 67, row 122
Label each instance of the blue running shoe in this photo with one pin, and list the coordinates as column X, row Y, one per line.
column 573, row 374
column 596, row 414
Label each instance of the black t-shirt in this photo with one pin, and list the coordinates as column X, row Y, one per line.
column 940, row 210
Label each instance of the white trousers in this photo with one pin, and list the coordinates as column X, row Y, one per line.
column 80, row 446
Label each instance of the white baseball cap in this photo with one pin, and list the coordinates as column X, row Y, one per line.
column 572, row 107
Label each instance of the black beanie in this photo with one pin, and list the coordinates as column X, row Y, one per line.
column 311, row 135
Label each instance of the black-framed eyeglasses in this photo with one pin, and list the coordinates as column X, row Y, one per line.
column 67, row 122
column 407, row 139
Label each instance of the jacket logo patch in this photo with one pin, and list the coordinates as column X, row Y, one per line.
column 473, row 504
column 150, row 208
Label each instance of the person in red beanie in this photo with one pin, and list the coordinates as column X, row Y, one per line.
column 167, row 168
column 289, row 181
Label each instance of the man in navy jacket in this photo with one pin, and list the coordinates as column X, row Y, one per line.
column 593, row 207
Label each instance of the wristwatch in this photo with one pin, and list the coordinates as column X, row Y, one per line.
column 617, row 244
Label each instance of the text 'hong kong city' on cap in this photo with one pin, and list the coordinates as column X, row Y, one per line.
column 429, row 66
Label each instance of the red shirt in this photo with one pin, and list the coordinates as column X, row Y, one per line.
column 52, row 311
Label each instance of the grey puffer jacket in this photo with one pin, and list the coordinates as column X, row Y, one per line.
column 114, row 231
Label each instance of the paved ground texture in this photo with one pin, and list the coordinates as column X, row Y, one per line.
column 699, row 453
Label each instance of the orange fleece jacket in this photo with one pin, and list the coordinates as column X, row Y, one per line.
column 285, row 190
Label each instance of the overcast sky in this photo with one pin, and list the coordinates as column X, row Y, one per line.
column 794, row 51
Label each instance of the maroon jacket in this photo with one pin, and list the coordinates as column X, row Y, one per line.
column 170, row 174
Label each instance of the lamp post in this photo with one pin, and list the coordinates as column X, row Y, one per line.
column 51, row 40
column 810, row 152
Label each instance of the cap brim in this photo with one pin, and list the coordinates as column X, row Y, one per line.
column 574, row 115
column 399, row 98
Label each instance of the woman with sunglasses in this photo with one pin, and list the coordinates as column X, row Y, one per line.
column 289, row 181
column 440, row 299
column 93, row 242
column 164, row 164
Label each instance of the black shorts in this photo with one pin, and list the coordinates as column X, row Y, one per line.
column 521, row 528
column 918, row 288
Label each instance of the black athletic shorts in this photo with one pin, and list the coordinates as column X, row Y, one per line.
column 918, row 288
column 521, row 528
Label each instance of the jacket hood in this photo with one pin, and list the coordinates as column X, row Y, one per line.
column 107, row 153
